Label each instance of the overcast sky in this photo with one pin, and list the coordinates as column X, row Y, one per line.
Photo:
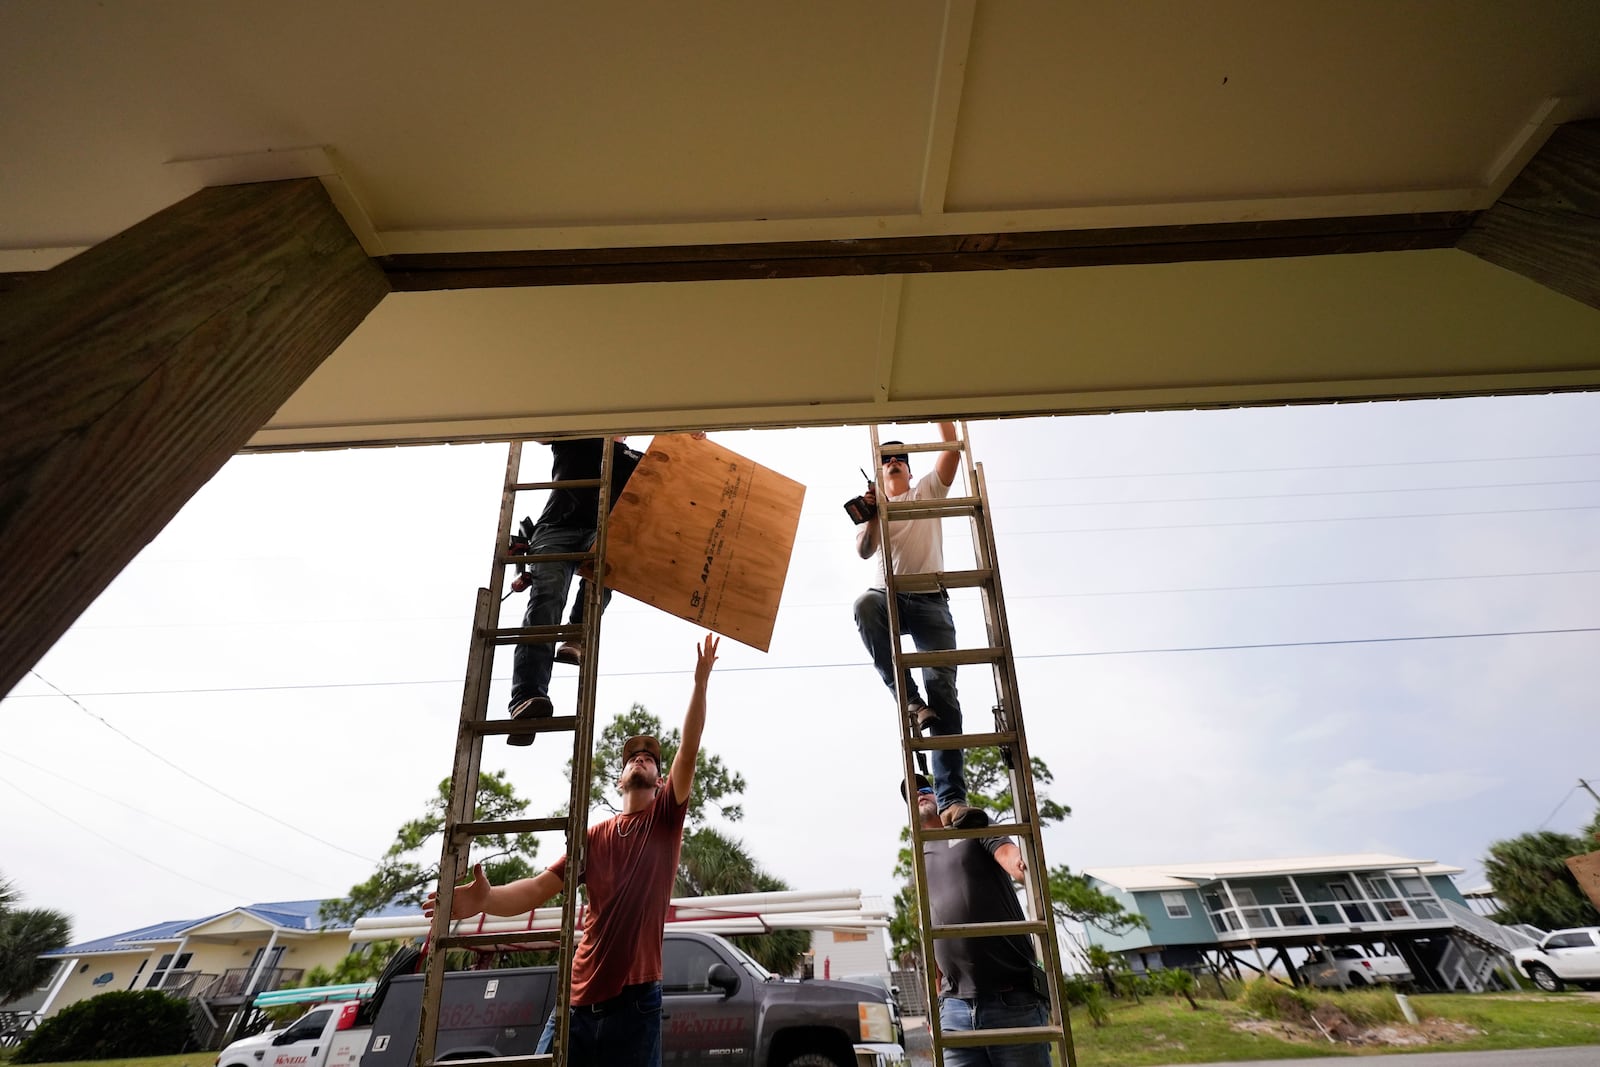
column 1240, row 634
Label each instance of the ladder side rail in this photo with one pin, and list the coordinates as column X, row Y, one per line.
column 919, row 874
column 508, row 511
column 1024, row 796
column 452, row 854
column 582, row 756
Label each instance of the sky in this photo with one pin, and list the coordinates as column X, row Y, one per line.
column 1240, row 634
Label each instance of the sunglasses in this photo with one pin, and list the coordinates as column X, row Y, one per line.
column 924, row 791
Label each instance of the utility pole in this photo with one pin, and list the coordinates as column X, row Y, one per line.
column 1590, row 788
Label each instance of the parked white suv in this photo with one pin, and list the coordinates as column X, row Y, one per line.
column 1563, row 956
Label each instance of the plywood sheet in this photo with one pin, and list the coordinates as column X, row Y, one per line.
column 705, row 534
column 1586, row 869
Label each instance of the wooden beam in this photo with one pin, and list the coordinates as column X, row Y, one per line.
column 135, row 369
column 1547, row 225
column 421, row 272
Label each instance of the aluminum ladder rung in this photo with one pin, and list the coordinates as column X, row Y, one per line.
column 929, row 446
column 946, row 742
column 537, row 635
column 542, row 1060
column 1010, row 929
column 941, row 508
column 994, row 829
column 999, row 1035
column 548, row 725
column 939, row 581
column 549, row 557
column 466, row 831
column 950, row 657
column 566, row 483
column 511, row 939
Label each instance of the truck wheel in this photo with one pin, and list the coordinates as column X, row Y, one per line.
column 1356, row 981
column 813, row 1059
column 1545, row 978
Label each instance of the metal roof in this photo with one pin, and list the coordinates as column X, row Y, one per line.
column 1191, row 875
column 299, row 916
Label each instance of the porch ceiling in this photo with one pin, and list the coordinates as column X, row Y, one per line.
column 632, row 126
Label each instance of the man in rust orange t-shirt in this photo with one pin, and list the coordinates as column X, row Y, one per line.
column 631, row 863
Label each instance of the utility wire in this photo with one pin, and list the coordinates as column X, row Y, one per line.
column 202, row 781
column 1564, row 798
column 634, row 608
column 1293, row 522
column 1293, row 496
column 853, row 664
column 158, row 818
column 234, row 894
column 1286, row 470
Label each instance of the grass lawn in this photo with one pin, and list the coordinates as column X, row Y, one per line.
column 188, row 1059
column 1162, row 1030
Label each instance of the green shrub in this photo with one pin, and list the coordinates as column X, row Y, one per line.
column 110, row 1026
column 1273, row 1001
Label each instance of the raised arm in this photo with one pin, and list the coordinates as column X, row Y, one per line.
column 694, row 721
column 945, row 466
column 513, row 898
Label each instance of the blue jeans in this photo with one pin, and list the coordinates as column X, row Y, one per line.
column 624, row 1031
column 547, row 595
column 926, row 617
column 991, row 1011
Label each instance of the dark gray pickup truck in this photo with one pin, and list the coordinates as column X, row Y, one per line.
column 719, row 1008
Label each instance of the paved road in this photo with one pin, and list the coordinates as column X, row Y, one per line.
column 1584, row 1056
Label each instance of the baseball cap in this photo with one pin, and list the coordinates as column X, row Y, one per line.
column 641, row 743
column 922, row 783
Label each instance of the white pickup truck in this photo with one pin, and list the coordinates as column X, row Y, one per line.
column 1562, row 956
column 1350, row 967
column 325, row 1036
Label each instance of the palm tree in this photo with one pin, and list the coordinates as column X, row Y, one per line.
column 25, row 934
column 711, row 864
column 1531, row 880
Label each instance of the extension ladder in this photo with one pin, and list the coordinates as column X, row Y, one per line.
column 1008, row 736
column 461, row 827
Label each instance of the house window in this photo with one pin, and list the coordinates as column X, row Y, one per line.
column 165, row 964
column 1177, row 906
column 1420, row 894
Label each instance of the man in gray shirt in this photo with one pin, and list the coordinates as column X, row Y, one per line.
column 984, row 982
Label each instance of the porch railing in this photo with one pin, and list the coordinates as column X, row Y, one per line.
column 1388, row 912
column 235, row 981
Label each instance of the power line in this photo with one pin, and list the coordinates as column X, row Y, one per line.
column 1002, row 535
column 157, row 818
column 118, row 845
column 851, row 665
column 635, row 608
column 1564, row 798
column 1287, row 470
column 1294, row 522
column 1292, row 496
column 202, row 781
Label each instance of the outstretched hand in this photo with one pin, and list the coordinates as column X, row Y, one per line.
column 707, row 652
column 469, row 899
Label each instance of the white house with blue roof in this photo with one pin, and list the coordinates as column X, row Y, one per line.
column 1261, row 915
column 217, row 962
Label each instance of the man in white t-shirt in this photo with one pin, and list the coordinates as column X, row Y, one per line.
column 917, row 546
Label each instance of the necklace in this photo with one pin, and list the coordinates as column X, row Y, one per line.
column 625, row 830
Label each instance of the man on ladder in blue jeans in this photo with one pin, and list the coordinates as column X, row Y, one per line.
column 918, row 548
column 985, row 983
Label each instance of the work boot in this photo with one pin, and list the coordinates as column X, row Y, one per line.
column 570, row 652
column 962, row 817
column 923, row 717
column 532, row 708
